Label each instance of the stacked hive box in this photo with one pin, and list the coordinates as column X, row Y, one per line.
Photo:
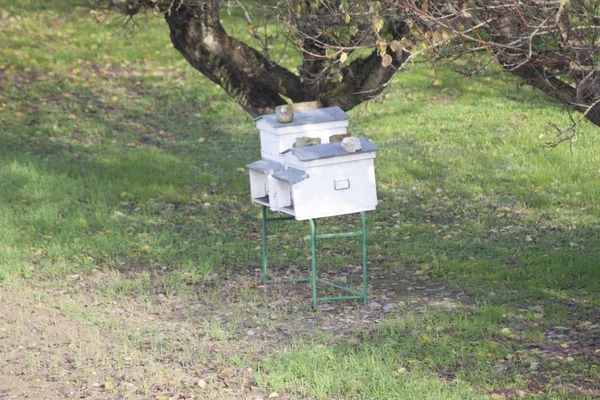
column 312, row 181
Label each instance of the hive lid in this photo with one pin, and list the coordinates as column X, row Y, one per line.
column 291, row 175
column 328, row 150
column 318, row 116
column 265, row 166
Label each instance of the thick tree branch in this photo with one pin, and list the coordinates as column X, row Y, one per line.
column 559, row 90
column 551, row 45
column 253, row 81
column 326, row 32
column 364, row 80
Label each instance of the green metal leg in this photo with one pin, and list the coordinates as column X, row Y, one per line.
column 314, row 279
column 313, row 261
column 264, row 245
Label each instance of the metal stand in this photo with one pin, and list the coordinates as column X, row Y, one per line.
column 313, row 279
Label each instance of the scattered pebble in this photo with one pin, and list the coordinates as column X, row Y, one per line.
column 285, row 117
column 162, row 298
column 226, row 373
column 117, row 215
column 66, row 392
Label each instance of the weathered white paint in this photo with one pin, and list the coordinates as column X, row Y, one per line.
column 321, row 123
column 258, row 184
column 284, row 195
column 273, row 144
column 317, row 196
column 289, row 159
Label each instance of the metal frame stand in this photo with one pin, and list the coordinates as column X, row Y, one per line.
column 313, row 278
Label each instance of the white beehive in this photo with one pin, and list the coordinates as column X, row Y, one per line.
column 277, row 137
column 312, row 181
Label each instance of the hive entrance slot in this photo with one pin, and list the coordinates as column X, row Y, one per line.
column 289, row 210
column 262, row 200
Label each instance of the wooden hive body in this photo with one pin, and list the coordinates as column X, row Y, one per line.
column 313, row 181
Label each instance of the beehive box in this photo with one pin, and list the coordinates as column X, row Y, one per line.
column 277, row 137
column 313, row 181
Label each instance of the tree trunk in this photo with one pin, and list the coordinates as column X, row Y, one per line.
column 364, row 80
column 253, row 82
column 257, row 83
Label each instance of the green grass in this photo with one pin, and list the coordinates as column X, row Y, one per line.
column 479, row 192
column 433, row 355
column 118, row 156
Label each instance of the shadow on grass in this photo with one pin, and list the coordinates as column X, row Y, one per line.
column 168, row 159
column 146, row 175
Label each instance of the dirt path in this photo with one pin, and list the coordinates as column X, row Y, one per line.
column 78, row 339
column 114, row 335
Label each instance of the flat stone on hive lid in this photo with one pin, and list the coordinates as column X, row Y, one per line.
column 351, row 144
column 305, row 106
column 285, row 115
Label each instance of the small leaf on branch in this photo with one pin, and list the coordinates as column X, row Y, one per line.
column 382, row 48
column 343, row 58
column 377, row 24
column 395, row 45
column 386, row 60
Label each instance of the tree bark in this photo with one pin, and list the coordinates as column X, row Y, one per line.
column 364, row 80
column 253, row 81
column 256, row 82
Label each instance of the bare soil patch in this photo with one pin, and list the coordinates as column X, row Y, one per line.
column 76, row 339
column 91, row 337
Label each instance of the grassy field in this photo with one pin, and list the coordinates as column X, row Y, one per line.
column 129, row 250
